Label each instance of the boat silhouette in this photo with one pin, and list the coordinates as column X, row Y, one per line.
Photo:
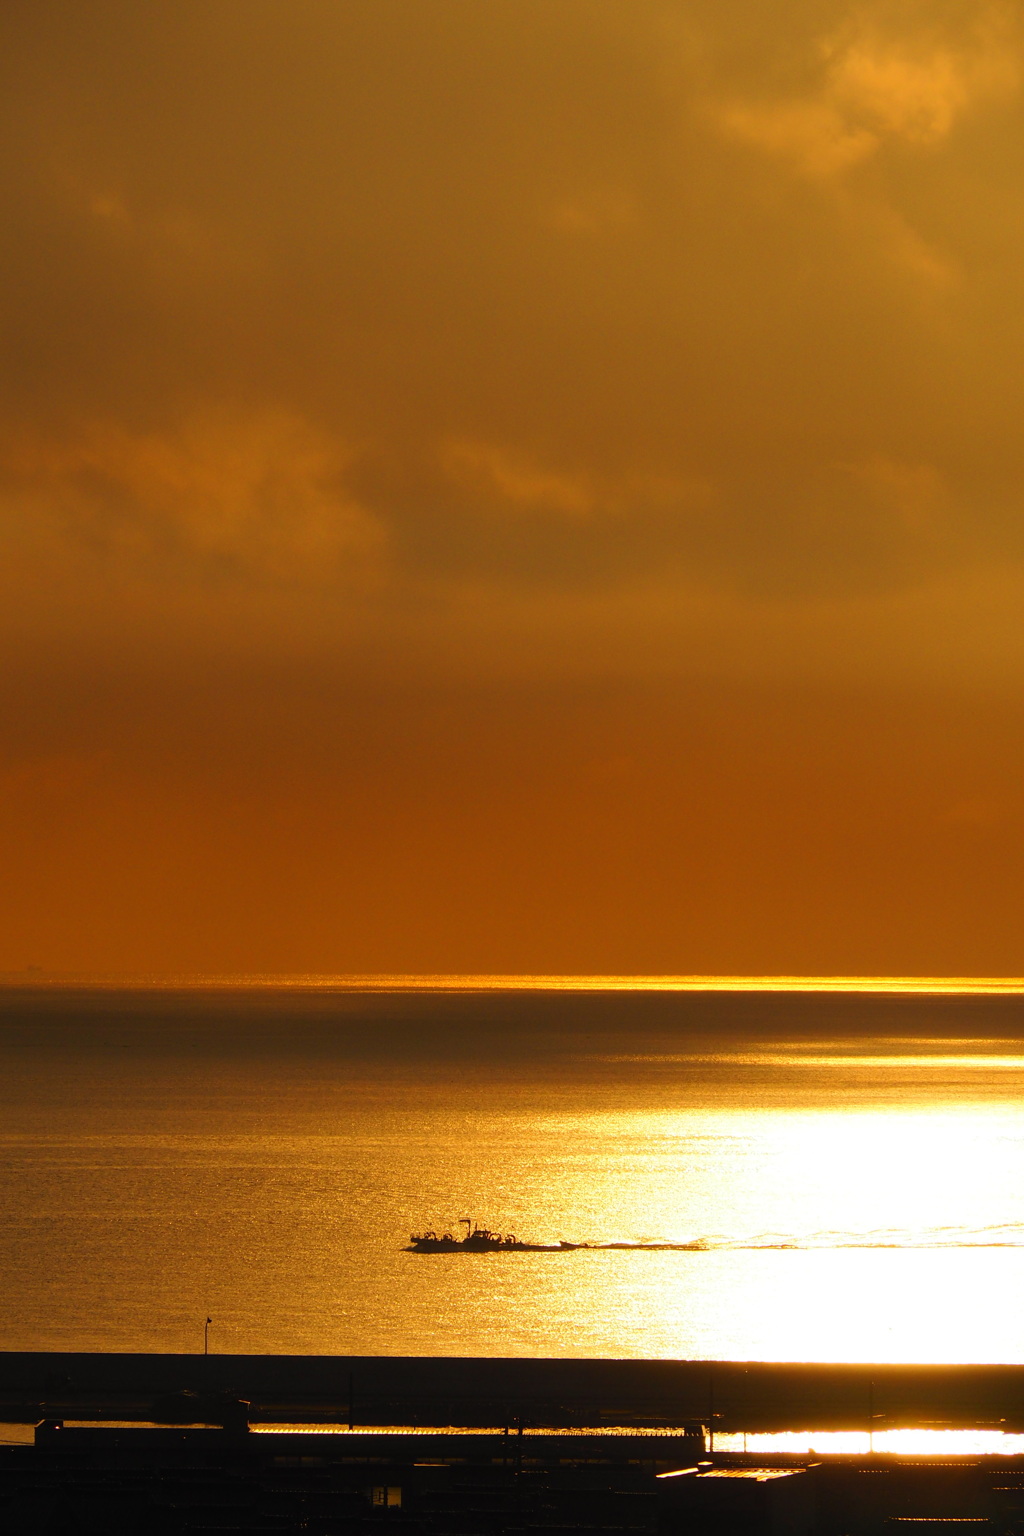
column 481, row 1240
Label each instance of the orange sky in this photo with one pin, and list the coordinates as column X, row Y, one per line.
column 528, row 486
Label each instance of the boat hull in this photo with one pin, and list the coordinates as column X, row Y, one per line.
column 454, row 1245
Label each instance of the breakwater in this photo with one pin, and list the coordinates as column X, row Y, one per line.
column 400, row 1390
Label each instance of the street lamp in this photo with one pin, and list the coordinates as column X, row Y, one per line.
column 206, row 1336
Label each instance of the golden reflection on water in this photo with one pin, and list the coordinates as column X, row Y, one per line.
column 973, row 1061
column 854, row 1200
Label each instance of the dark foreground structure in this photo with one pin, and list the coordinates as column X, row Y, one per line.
column 566, row 1451
column 738, row 1396
column 159, row 1481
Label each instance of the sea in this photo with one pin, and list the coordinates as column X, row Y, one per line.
column 841, row 1165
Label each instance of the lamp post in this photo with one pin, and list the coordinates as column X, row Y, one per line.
column 206, row 1336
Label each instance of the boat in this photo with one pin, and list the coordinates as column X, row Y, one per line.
column 481, row 1240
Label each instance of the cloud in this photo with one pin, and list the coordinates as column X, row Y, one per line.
column 916, row 89
column 224, row 496
column 879, row 84
column 512, row 479
column 814, row 135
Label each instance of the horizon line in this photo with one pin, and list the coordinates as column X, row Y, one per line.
column 397, row 981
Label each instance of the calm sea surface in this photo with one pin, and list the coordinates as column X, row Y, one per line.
column 854, row 1167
